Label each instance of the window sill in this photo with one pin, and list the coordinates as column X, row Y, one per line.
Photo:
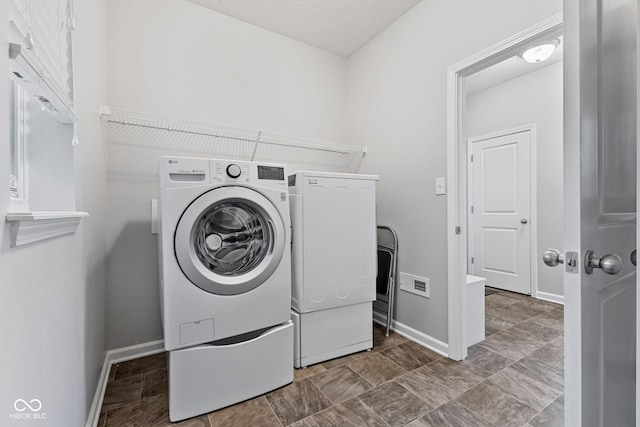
column 31, row 227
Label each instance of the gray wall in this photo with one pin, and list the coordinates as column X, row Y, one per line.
column 52, row 293
column 183, row 60
column 397, row 102
column 534, row 98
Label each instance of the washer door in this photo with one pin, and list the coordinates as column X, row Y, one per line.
column 229, row 240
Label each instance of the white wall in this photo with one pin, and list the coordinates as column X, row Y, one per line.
column 534, row 98
column 52, row 293
column 397, row 106
column 175, row 58
column 178, row 59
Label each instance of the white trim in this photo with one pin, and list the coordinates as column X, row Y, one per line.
column 41, row 215
column 137, row 351
column 98, row 397
column 19, row 204
column 545, row 296
column 456, row 168
column 112, row 357
column 30, row 227
column 456, row 243
column 533, row 214
column 414, row 335
column 380, row 318
column 533, row 197
column 637, row 238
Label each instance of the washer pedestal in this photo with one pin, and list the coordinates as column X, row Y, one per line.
column 209, row 377
column 330, row 333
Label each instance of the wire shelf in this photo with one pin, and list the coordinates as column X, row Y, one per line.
column 135, row 141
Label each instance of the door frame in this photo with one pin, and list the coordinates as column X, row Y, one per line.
column 533, row 198
column 457, row 168
column 638, row 246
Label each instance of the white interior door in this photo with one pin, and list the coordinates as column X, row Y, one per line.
column 600, row 74
column 500, row 211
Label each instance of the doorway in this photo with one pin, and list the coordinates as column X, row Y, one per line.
column 457, row 157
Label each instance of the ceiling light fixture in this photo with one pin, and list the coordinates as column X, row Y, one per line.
column 541, row 52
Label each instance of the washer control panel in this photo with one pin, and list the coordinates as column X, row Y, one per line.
column 189, row 171
column 234, row 170
column 231, row 171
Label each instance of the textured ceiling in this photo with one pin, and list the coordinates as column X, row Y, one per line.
column 339, row 26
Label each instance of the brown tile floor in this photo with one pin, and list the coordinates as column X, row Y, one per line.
column 513, row 378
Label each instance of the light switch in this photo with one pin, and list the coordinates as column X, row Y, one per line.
column 440, row 186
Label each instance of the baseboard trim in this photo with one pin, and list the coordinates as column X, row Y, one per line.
column 558, row 299
column 123, row 354
column 414, row 335
column 118, row 355
column 94, row 412
column 380, row 318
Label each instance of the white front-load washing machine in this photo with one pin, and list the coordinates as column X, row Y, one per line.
column 225, row 281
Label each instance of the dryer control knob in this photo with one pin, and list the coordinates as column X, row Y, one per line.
column 234, row 171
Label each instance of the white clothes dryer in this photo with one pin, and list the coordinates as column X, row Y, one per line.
column 225, row 244
column 334, row 264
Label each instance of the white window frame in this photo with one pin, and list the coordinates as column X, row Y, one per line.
column 19, row 197
column 33, row 75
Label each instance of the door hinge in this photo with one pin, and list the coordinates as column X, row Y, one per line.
column 472, row 158
column 472, row 260
column 471, row 209
column 458, row 229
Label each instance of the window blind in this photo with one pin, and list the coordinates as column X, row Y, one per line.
column 40, row 52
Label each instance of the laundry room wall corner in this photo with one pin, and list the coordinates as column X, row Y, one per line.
column 397, row 103
column 133, row 275
column 204, row 69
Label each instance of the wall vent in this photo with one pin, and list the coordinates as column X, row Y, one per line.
column 415, row 284
column 420, row 285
